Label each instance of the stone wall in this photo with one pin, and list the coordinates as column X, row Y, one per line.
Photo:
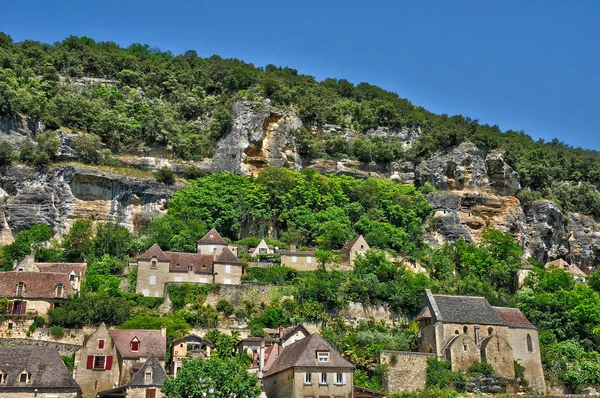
column 406, row 371
column 41, row 394
column 531, row 360
column 140, row 392
column 63, row 349
column 237, row 294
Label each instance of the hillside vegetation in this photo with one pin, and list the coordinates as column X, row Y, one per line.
column 153, row 97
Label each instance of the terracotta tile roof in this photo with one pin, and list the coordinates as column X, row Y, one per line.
column 303, row 353
column 559, row 262
column 350, row 244
column 154, row 251
column 571, row 269
column 514, row 317
column 152, row 342
column 158, row 374
column 424, row 314
column 213, row 237
column 271, row 354
column 62, row 268
column 203, row 263
column 43, row 363
column 228, row 257
column 37, row 284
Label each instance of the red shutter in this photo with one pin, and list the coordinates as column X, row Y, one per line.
column 10, row 307
column 24, row 308
column 109, row 362
column 90, row 362
column 51, row 306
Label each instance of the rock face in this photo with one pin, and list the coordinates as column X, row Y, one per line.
column 15, row 129
column 261, row 136
column 407, row 135
column 60, row 195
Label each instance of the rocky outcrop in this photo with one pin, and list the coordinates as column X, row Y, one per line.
column 406, row 135
column 59, row 195
column 261, row 136
column 468, row 167
column 15, row 129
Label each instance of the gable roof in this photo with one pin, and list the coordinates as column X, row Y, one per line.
column 152, row 342
column 350, row 244
column 192, row 338
column 271, row 354
column 226, row 256
column 514, row 317
column 158, row 374
column 571, row 269
column 303, row 353
column 289, row 332
column 213, row 237
column 62, row 268
column 154, row 251
column 178, row 262
column 43, row 363
column 462, row 309
column 37, row 284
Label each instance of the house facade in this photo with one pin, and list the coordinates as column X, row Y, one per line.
column 309, row 367
column 301, row 260
column 261, row 248
column 215, row 262
column 34, row 293
column 188, row 347
column 352, row 249
column 34, row 371
column 467, row 330
column 109, row 358
column 74, row 271
column 145, row 383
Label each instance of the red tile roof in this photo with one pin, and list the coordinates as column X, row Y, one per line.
column 154, row 251
column 37, row 284
column 203, row 263
column 213, row 237
column 151, row 342
column 62, row 268
column 514, row 317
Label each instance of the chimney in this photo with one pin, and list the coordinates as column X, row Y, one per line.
column 163, row 331
column 280, row 331
column 292, row 247
column 261, row 358
column 477, row 336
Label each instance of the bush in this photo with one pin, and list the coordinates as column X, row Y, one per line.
column 57, row 331
column 482, row 368
column 165, row 175
column 6, row 153
column 38, row 322
column 225, row 307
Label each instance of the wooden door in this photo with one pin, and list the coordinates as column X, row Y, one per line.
column 151, row 393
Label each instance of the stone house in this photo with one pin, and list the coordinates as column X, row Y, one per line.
column 35, row 371
column 109, row 358
column 301, row 260
column 74, row 271
column 352, row 249
column 262, row 248
column 145, row 383
column 215, row 262
column 573, row 270
column 34, row 293
column 309, row 368
column 188, row 347
column 466, row 330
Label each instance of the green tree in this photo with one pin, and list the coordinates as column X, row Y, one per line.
column 77, row 242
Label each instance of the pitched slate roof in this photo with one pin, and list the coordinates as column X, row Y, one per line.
column 514, row 318
column 154, row 251
column 158, row 374
column 203, row 263
column 463, row 309
column 152, row 342
column 62, row 268
column 37, row 284
column 213, row 237
column 303, row 353
column 228, row 257
column 43, row 363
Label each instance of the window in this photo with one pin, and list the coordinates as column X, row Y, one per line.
column 323, row 379
column 465, row 329
column 72, row 278
column 100, row 344
column 323, row 356
column 135, row 344
column 307, row 378
column 10, row 325
column 191, row 268
column 146, row 292
column 152, row 280
column 148, row 374
column 362, row 246
column 24, row 377
column 153, row 264
column 339, row 378
column 529, row 344
column 227, row 281
column 2, row 377
column 490, row 331
column 99, row 362
column 228, row 269
column 20, row 289
column 309, row 260
column 59, row 290
column 294, row 259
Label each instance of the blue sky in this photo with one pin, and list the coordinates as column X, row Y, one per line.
column 524, row 65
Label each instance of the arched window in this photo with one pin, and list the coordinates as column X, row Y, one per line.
column 490, row 331
column 529, row 344
column 456, row 331
column 465, row 329
column 20, row 289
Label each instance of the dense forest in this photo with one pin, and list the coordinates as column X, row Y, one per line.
column 155, row 98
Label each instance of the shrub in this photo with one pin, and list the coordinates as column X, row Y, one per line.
column 38, row 322
column 6, row 153
column 482, row 368
column 225, row 307
column 165, row 175
column 57, row 331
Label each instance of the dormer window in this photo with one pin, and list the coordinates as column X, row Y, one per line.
column 20, row 289
column 148, row 375
column 72, row 278
column 24, row 377
column 323, row 356
column 135, row 344
column 59, row 290
column 2, row 377
column 191, row 268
